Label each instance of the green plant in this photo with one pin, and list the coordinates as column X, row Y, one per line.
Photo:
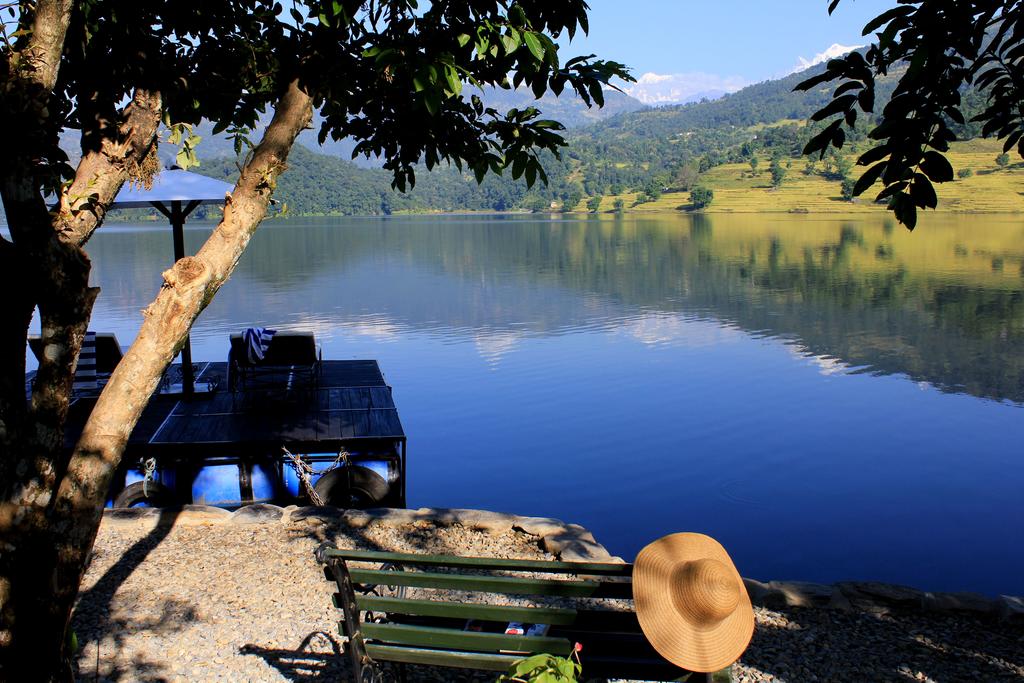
column 545, row 668
column 848, row 189
column 701, row 197
column 964, row 173
column 619, row 205
column 1003, row 160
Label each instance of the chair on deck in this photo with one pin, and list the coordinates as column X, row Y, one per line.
column 98, row 357
column 292, row 360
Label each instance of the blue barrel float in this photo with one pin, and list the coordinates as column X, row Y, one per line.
column 361, row 482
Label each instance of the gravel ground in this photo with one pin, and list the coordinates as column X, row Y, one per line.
column 236, row 602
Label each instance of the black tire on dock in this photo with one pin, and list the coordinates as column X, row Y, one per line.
column 352, row 487
column 133, row 494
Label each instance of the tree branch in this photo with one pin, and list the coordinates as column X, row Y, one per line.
column 188, row 288
column 102, row 172
column 39, row 56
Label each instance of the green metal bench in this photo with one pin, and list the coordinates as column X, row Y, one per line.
column 383, row 624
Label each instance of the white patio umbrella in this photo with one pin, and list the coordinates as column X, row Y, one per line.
column 176, row 194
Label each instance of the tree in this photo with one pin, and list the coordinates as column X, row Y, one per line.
column 1003, row 160
column 686, row 177
column 944, row 46
column 383, row 72
column 753, row 164
column 778, row 174
column 619, row 205
column 701, row 197
column 847, row 187
column 594, row 204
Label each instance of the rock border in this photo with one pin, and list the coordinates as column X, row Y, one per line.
column 574, row 543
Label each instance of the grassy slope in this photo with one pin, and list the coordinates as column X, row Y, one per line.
column 989, row 190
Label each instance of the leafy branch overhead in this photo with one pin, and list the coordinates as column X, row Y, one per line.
column 365, row 69
column 936, row 49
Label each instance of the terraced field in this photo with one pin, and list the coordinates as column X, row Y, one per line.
column 990, row 190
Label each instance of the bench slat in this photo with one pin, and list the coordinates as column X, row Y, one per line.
column 430, row 636
column 460, row 610
column 485, row 584
column 461, row 660
column 549, row 567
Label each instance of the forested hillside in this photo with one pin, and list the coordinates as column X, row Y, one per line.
column 627, row 150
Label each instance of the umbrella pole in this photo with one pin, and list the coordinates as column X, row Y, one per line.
column 188, row 380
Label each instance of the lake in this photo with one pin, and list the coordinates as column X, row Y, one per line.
column 831, row 399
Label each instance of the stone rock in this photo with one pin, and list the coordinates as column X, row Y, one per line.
column 540, row 526
column 202, row 514
column 581, row 532
column 959, row 602
column 131, row 515
column 882, row 594
column 357, row 519
column 474, row 519
column 572, row 548
column 763, row 595
column 258, row 513
column 321, row 513
column 1010, row 607
column 804, row 593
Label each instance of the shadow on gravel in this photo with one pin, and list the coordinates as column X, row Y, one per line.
column 419, row 534
column 318, row 658
column 94, row 622
column 308, row 664
column 829, row 645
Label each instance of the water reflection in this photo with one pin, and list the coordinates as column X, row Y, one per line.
column 770, row 381
column 943, row 306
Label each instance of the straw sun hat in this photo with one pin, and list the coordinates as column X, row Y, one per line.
column 691, row 602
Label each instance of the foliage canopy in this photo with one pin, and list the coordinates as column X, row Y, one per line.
column 938, row 48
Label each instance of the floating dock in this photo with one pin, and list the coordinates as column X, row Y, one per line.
column 349, row 408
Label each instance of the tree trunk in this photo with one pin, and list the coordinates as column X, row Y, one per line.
column 41, row 567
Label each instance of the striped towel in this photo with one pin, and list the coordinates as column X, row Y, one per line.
column 85, row 373
column 257, row 341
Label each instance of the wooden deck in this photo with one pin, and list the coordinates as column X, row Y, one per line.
column 352, row 404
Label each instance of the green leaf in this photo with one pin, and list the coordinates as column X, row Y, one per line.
column 885, row 17
column 839, row 104
column 454, row 83
column 519, row 165
column 868, row 178
column 905, row 210
column 533, row 44
column 937, row 167
column 432, row 101
column 923, row 193
column 524, row 666
column 531, row 172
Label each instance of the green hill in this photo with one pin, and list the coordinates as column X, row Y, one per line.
column 648, row 157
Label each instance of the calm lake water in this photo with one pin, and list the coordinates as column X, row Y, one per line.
column 831, row 399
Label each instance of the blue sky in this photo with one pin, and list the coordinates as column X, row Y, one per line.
column 719, row 44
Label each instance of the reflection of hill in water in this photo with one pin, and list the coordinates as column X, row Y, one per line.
column 943, row 305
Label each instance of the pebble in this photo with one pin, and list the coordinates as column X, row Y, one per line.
column 247, row 602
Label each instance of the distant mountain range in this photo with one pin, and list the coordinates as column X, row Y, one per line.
column 625, row 147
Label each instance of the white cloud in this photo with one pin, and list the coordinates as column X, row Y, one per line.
column 658, row 329
column 835, row 50
column 495, row 346
column 652, row 88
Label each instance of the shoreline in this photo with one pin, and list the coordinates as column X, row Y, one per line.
column 201, row 593
column 575, row 543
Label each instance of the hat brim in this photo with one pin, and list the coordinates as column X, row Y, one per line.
column 675, row 637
